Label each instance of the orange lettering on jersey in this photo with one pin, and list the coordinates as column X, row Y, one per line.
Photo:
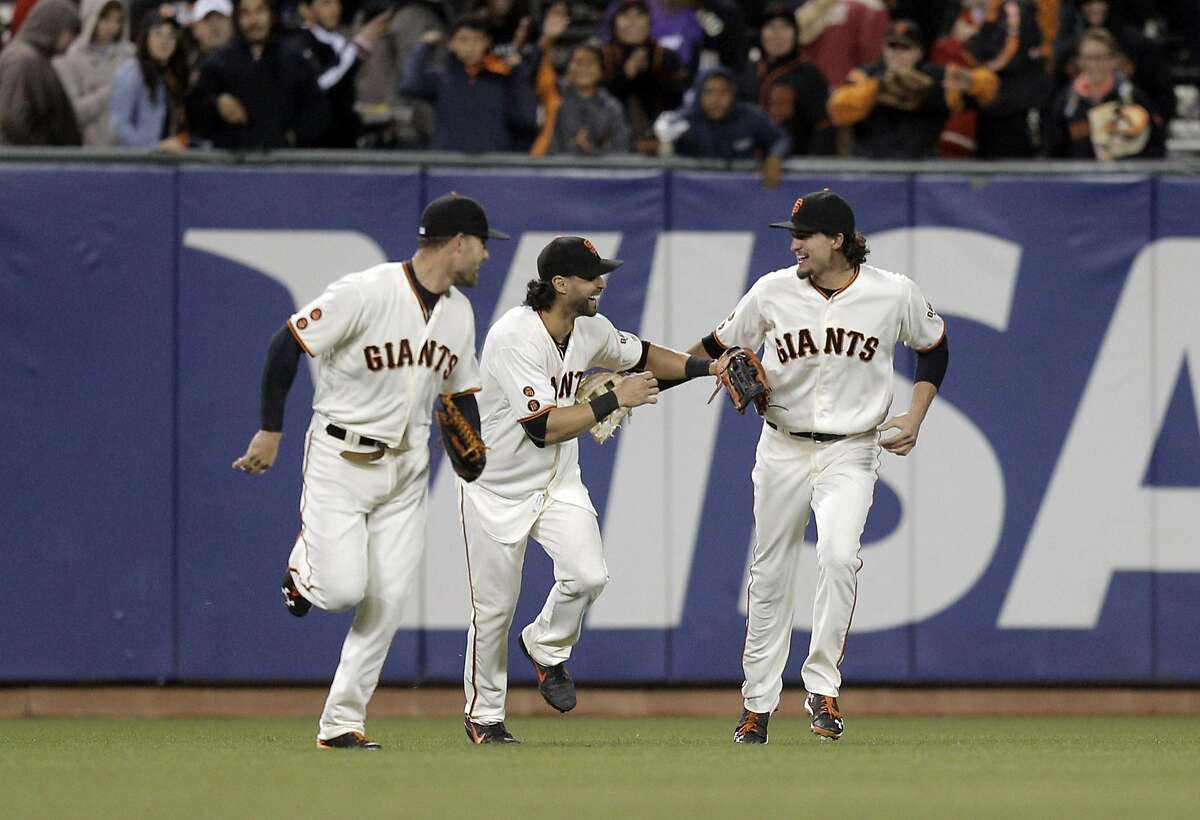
column 855, row 337
column 405, row 357
column 450, row 366
column 391, row 359
column 426, row 355
column 780, row 352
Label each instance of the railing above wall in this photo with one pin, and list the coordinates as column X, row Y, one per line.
column 428, row 159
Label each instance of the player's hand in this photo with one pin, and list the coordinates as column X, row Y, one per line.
column 638, row 389
column 902, row 442
column 261, row 453
column 231, row 110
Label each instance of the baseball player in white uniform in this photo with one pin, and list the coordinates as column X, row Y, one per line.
column 828, row 326
column 389, row 340
column 533, row 360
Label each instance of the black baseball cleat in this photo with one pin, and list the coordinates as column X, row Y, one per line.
column 826, row 717
column 350, row 740
column 296, row 603
column 481, row 733
column 752, row 728
column 554, row 682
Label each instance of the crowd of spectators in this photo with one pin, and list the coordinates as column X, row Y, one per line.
column 703, row 78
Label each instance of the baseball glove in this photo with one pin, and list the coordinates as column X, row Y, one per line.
column 595, row 385
column 741, row 374
column 463, row 445
column 903, row 89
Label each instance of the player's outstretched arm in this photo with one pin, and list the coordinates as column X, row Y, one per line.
column 566, row 423
column 669, row 365
column 283, row 358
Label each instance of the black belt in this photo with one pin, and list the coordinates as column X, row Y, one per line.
column 338, row 432
column 820, row 438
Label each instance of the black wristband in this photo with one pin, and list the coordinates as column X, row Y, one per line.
column 604, row 405
column 696, row 367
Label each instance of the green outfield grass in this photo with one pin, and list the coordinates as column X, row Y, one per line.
column 573, row 768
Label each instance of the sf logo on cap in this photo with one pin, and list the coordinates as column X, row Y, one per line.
column 799, row 204
column 587, row 243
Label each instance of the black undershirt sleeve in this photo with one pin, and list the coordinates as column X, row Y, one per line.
column 283, row 358
column 712, row 347
column 932, row 364
column 535, row 428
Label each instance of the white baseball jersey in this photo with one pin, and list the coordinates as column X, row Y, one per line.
column 383, row 359
column 829, row 359
column 525, row 375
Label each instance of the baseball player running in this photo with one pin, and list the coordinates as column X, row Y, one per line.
column 533, row 360
column 829, row 326
column 389, row 339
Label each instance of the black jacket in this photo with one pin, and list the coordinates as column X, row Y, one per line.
column 279, row 91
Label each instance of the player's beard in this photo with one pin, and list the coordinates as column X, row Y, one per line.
column 465, row 278
column 585, row 307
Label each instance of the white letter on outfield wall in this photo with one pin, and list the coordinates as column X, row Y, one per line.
column 1097, row 518
column 656, row 498
column 304, row 262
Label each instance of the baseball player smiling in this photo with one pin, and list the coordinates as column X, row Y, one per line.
column 533, row 360
column 390, row 339
column 828, row 326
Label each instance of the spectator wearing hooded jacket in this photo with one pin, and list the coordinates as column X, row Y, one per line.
column 254, row 93
column 898, row 105
column 483, row 103
column 87, row 68
column 34, row 107
column 646, row 78
column 789, row 88
column 717, row 126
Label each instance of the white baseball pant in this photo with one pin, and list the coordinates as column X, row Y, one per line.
column 571, row 537
column 362, row 537
column 836, row 480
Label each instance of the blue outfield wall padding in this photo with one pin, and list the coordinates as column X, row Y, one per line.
column 1041, row 530
column 86, row 342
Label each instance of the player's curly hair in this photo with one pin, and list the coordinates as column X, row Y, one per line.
column 855, row 249
column 539, row 294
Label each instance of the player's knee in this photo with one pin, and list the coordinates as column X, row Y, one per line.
column 839, row 558
column 343, row 593
column 590, row 582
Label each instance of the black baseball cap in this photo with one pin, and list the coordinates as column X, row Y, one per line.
column 453, row 214
column 573, row 256
column 820, row 212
